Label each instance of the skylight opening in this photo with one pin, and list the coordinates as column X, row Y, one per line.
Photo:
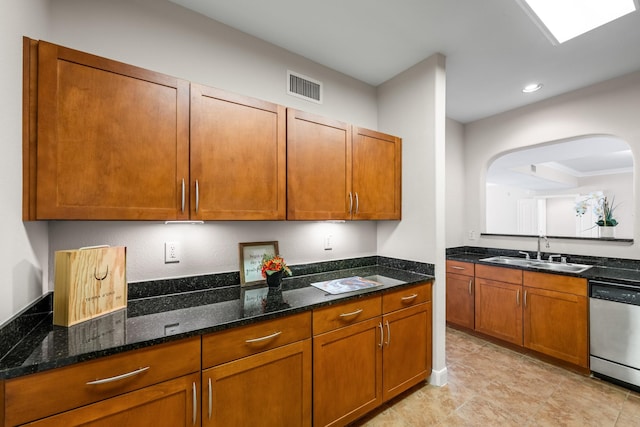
column 564, row 20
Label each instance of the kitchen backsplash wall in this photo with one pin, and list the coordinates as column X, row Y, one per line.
column 212, row 247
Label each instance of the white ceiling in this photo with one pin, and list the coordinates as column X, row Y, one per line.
column 560, row 165
column 492, row 47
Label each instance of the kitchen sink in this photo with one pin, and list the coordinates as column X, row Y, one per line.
column 542, row 265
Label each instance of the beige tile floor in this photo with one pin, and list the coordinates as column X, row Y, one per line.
column 489, row 385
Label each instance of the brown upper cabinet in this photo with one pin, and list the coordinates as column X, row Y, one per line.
column 103, row 140
column 336, row 171
column 238, row 157
column 111, row 141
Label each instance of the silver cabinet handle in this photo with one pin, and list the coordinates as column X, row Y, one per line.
column 470, row 284
column 353, row 313
column 195, row 403
column 388, row 334
column 197, row 195
column 119, row 377
column 183, row 195
column 350, row 202
column 455, row 267
column 357, row 203
column 381, row 335
column 210, row 399
column 518, row 297
column 409, row 298
column 525, row 298
column 268, row 337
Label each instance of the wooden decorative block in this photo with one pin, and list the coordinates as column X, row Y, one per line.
column 88, row 283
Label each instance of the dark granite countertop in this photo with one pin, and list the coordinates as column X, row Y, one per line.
column 155, row 319
column 616, row 270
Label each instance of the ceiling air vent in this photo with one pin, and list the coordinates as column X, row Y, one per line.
column 304, row 87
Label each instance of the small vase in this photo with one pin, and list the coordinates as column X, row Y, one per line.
column 607, row 232
column 275, row 280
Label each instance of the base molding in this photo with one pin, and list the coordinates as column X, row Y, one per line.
column 439, row 377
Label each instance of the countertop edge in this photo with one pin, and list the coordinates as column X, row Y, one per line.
column 14, row 372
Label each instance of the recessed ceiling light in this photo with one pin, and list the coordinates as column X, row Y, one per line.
column 563, row 20
column 532, row 87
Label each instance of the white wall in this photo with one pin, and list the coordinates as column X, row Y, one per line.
column 213, row 246
column 23, row 252
column 412, row 105
column 164, row 37
column 455, row 182
column 502, row 211
column 609, row 108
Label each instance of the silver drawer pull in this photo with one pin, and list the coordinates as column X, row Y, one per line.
column 455, row 267
column 210, row 399
column 353, row 313
column 118, row 377
column 182, row 200
column 268, row 337
column 388, row 334
column 409, row 298
column 195, row 403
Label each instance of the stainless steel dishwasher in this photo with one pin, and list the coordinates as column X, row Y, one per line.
column 614, row 314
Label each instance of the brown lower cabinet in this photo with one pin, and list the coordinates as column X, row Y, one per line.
column 555, row 316
column 157, row 386
column 258, row 375
column 271, row 388
column 460, row 294
column 368, row 351
column 543, row 312
column 498, row 310
column 365, row 352
column 171, row 403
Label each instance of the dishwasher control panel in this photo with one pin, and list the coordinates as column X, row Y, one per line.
column 615, row 292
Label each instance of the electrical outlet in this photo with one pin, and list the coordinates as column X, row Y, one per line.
column 328, row 242
column 472, row 235
column 171, row 252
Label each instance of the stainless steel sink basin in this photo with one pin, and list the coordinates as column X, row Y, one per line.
column 542, row 265
column 509, row 260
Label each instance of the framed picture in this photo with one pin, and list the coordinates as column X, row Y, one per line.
column 251, row 260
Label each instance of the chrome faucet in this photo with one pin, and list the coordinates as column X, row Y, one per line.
column 551, row 257
column 539, row 254
column 526, row 254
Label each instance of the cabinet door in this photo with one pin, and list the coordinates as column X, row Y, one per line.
column 171, row 403
column 238, row 157
column 377, row 175
column 555, row 323
column 405, row 351
column 112, row 139
column 460, row 300
column 498, row 310
column 272, row 388
column 347, row 372
column 318, row 168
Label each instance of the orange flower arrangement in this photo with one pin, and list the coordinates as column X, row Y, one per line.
column 273, row 264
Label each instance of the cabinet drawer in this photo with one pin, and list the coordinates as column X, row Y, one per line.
column 459, row 267
column 39, row 395
column 406, row 297
column 556, row 282
column 500, row 274
column 338, row 316
column 244, row 341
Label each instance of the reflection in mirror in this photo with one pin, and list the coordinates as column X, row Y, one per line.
column 565, row 188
